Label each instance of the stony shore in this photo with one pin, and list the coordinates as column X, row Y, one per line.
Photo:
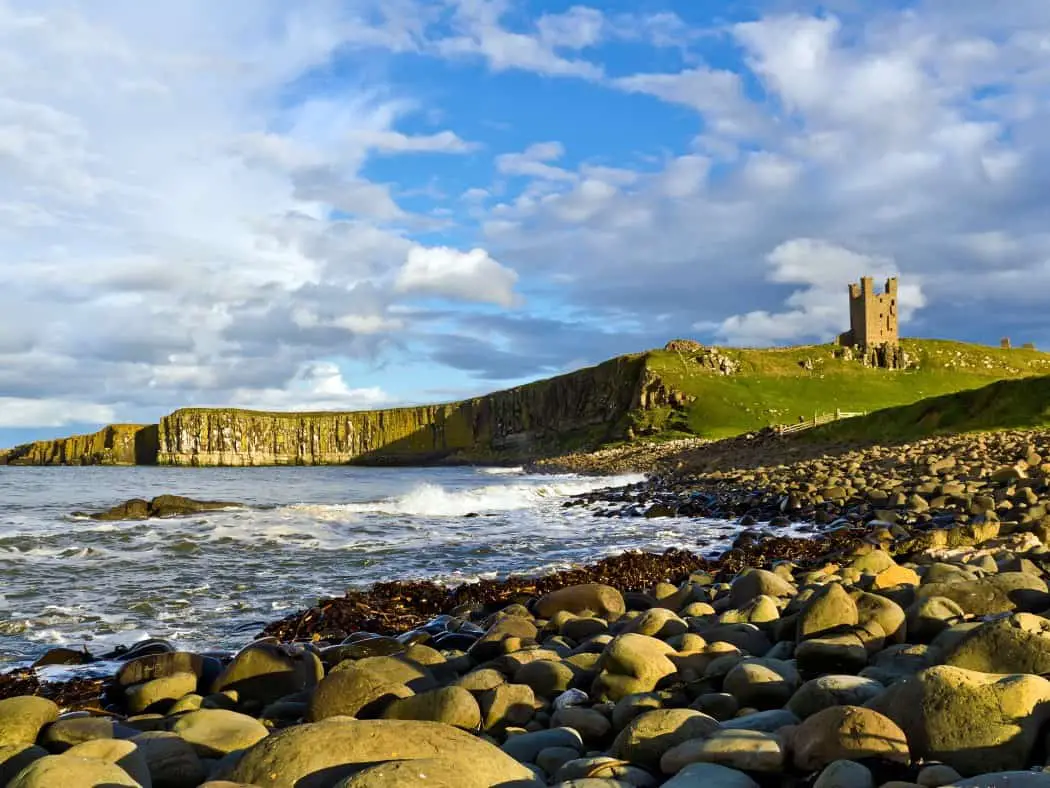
column 905, row 644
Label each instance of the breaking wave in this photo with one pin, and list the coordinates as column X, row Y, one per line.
column 433, row 500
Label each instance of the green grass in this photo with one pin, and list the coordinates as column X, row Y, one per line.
column 772, row 387
column 1005, row 404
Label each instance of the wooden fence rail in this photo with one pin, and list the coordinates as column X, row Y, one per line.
column 816, row 421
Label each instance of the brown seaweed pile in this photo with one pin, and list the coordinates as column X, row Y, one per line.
column 72, row 695
column 392, row 608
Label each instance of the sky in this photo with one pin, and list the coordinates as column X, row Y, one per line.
column 342, row 204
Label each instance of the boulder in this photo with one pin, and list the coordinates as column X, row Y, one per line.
column 66, row 771
column 65, row 733
column 505, row 628
column 592, row 725
column 120, row 752
column 931, row 615
column 262, row 672
column 974, row 722
column 547, row 678
column 752, row 583
column 594, row 598
column 438, row 772
column 845, row 774
column 762, row 683
column 506, row 705
column 157, row 695
column 218, row 732
column 630, row 664
column 710, row 775
column 830, row 608
column 15, row 757
column 648, row 736
column 525, row 747
column 827, row 691
column 171, row 760
column 1019, row 643
column 321, row 754
column 354, row 692
column 22, row 717
column 657, row 622
column 749, row 751
column 451, row 705
column 1002, row 593
column 847, row 733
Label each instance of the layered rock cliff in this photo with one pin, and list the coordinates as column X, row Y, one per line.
column 117, row 444
column 579, row 410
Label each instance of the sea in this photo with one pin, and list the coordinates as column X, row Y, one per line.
column 212, row 581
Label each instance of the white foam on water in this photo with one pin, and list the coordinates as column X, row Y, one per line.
column 433, row 500
column 499, row 471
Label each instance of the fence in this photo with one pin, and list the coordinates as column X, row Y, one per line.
column 816, row 421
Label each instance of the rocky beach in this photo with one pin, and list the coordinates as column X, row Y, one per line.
column 902, row 642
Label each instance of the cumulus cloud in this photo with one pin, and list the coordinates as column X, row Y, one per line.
column 818, row 309
column 467, row 276
column 318, row 385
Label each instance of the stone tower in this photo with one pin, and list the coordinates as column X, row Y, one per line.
column 872, row 316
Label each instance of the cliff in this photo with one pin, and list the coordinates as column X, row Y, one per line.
column 581, row 409
column 588, row 407
column 117, row 444
column 683, row 390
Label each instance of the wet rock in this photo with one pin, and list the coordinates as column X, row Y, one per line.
column 161, row 506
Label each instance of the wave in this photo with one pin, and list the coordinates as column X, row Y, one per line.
column 496, row 471
column 432, row 500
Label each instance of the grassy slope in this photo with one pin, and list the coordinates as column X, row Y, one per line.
column 772, row 387
column 1005, row 404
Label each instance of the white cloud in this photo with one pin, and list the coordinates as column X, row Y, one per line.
column 388, row 141
column 317, row 385
column 480, row 32
column 468, row 276
column 534, row 162
column 818, row 310
column 20, row 411
column 718, row 95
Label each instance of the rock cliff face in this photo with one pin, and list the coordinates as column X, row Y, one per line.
column 578, row 410
column 517, row 424
column 117, row 444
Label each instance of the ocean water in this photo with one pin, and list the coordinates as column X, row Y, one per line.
column 213, row 580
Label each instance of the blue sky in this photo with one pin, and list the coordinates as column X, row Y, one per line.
column 358, row 203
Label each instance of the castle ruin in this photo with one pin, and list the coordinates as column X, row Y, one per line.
column 872, row 316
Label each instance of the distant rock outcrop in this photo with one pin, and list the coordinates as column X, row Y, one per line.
column 161, row 506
